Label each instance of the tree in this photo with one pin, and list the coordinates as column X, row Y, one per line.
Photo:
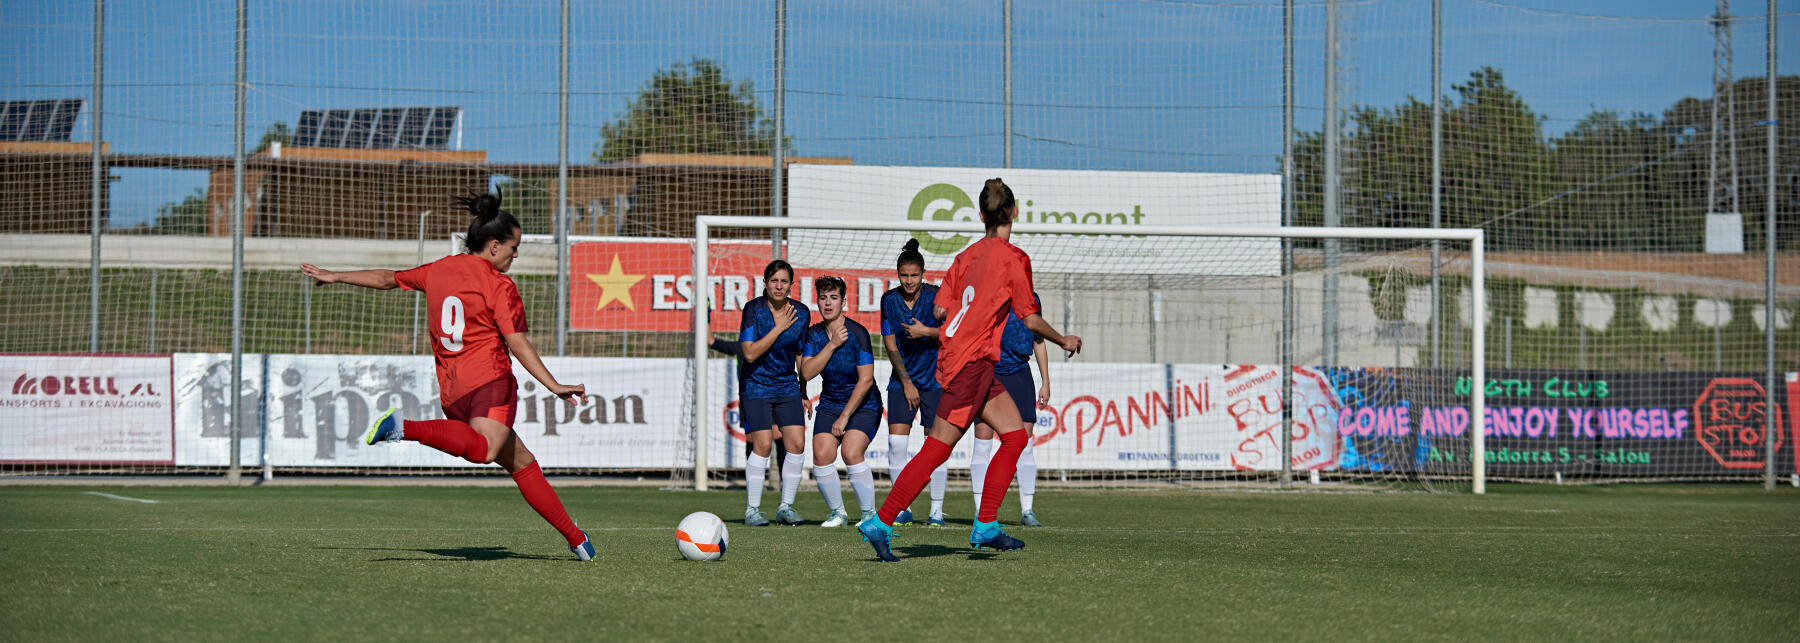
column 1492, row 160
column 1612, row 181
column 277, row 133
column 690, row 108
column 187, row 216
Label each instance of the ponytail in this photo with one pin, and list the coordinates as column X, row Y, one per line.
column 909, row 255
column 996, row 203
column 491, row 223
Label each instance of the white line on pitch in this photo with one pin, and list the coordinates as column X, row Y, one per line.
column 74, row 529
column 108, row 495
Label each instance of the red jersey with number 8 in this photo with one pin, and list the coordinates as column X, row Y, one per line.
column 473, row 307
column 988, row 278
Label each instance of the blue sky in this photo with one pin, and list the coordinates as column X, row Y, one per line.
column 1132, row 85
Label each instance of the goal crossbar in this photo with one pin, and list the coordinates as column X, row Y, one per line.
column 703, row 226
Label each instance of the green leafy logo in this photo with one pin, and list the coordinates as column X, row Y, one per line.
column 940, row 202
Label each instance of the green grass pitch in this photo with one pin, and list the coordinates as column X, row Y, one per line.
column 1653, row 562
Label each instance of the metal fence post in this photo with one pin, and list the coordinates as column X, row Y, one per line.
column 234, row 473
column 1769, row 311
column 562, row 190
column 97, row 175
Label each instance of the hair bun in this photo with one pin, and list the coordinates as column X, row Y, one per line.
column 912, row 245
column 482, row 205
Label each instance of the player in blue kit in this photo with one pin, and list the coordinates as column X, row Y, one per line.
column 848, row 413
column 1017, row 347
column 770, row 335
column 910, row 330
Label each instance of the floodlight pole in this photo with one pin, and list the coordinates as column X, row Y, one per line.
column 1771, row 419
column 1437, row 182
column 97, row 176
column 1007, row 87
column 1287, row 245
column 235, row 472
column 562, row 190
column 1329, row 315
column 779, row 155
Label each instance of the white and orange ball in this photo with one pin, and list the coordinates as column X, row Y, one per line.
column 701, row 536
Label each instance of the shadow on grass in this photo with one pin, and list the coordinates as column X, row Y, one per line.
column 451, row 554
column 931, row 551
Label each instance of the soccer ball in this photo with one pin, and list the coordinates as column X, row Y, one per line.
column 701, row 536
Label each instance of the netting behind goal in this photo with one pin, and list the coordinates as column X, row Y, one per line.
column 1180, row 379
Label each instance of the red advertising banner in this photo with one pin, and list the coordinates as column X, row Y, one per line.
column 648, row 285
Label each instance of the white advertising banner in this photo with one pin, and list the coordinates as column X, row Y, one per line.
column 888, row 193
column 1117, row 417
column 318, row 406
column 86, row 409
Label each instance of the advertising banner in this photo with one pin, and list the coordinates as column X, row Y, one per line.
column 1118, row 417
column 1574, row 422
column 86, row 409
column 896, row 194
column 1122, row 417
column 316, row 408
column 648, row 285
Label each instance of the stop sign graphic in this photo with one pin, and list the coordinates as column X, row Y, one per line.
column 1731, row 417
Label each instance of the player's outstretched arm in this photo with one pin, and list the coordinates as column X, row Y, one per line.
column 1036, row 323
column 377, row 279
column 522, row 350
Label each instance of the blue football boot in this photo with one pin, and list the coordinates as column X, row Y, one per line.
column 878, row 536
column 905, row 518
column 387, row 428
column 585, row 550
column 987, row 535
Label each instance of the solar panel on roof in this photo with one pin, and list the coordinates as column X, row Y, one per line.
column 383, row 128
column 39, row 120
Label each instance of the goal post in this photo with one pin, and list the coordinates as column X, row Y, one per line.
column 1178, row 238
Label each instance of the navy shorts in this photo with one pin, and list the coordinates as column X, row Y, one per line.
column 762, row 414
column 865, row 420
column 1023, row 392
column 899, row 413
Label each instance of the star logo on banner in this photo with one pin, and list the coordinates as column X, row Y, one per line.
column 615, row 285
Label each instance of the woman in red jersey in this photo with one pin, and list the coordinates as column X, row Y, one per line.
column 477, row 328
column 989, row 278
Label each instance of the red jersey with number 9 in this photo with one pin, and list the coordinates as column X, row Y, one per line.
column 473, row 307
column 988, row 278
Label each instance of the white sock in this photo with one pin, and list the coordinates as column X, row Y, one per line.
column 791, row 467
column 829, row 487
column 983, row 451
column 755, row 469
column 1027, row 476
column 897, row 454
column 939, row 480
column 863, row 483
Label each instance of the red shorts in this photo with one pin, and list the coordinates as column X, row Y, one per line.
column 968, row 392
column 497, row 400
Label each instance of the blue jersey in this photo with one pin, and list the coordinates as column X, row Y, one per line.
column 919, row 354
column 1016, row 343
column 772, row 375
column 840, row 371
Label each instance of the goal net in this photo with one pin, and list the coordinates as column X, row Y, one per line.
column 1186, row 331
